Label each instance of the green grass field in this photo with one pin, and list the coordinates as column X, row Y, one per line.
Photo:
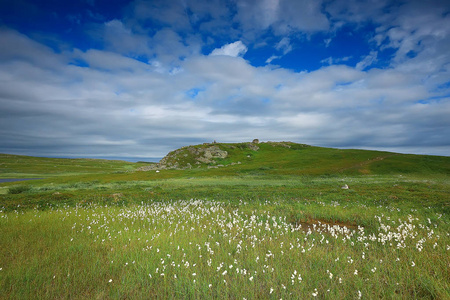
column 278, row 225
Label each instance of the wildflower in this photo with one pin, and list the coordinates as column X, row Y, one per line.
column 359, row 294
column 194, row 274
column 251, row 278
column 271, row 290
column 224, row 273
column 315, row 293
column 210, row 285
column 110, row 280
column 413, row 264
column 356, row 272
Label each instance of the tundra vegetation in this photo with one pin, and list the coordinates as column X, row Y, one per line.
column 265, row 221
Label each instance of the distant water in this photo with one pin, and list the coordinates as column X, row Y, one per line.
column 16, row 179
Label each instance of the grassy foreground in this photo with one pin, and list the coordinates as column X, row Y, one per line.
column 202, row 234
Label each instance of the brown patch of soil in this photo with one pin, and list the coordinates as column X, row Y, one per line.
column 323, row 225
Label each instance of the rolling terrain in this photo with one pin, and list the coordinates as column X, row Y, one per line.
column 254, row 220
column 282, row 158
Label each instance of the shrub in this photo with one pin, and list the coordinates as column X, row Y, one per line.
column 19, row 189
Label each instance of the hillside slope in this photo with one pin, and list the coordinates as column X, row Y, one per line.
column 292, row 158
column 12, row 166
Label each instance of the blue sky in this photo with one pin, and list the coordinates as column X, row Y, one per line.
column 137, row 79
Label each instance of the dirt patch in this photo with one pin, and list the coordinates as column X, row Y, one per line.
column 325, row 226
column 117, row 196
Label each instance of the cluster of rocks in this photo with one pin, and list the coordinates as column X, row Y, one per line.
column 201, row 155
column 280, row 144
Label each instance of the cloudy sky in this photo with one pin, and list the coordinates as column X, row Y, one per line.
column 137, row 79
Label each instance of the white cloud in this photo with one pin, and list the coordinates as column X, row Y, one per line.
column 284, row 45
column 283, row 16
column 15, row 46
column 273, row 57
column 367, row 61
column 171, row 13
column 120, row 105
column 234, row 49
column 331, row 60
column 117, row 37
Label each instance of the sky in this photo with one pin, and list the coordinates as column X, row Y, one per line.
column 136, row 79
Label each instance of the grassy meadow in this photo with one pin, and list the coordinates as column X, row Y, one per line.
column 277, row 226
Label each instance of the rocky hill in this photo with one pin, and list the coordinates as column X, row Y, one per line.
column 212, row 155
column 291, row 158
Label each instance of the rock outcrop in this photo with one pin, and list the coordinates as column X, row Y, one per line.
column 183, row 158
column 210, row 155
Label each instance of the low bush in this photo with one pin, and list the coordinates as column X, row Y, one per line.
column 19, row 189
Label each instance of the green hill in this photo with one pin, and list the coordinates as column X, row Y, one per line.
column 230, row 159
column 296, row 159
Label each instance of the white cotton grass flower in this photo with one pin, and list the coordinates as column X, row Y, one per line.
column 331, row 274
